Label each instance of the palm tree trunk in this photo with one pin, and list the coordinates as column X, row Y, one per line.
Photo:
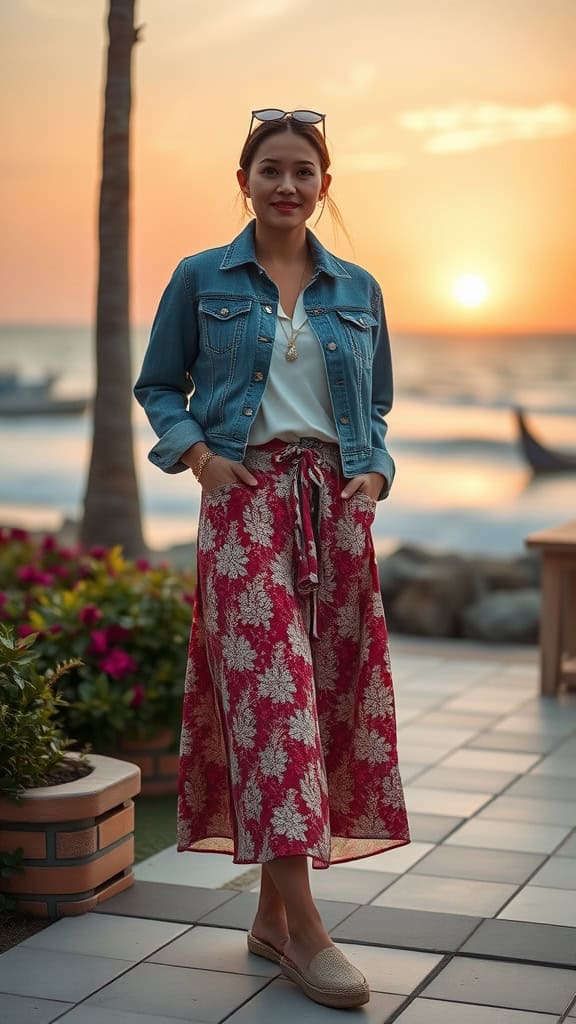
column 111, row 503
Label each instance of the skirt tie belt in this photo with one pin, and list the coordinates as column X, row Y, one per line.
column 306, row 481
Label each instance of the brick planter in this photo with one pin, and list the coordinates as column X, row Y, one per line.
column 78, row 840
column 157, row 762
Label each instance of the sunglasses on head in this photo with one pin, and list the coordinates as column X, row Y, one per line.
column 303, row 116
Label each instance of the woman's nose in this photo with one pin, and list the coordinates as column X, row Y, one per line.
column 286, row 185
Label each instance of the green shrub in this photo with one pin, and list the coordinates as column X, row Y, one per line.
column 32, row 745
column 127, row 622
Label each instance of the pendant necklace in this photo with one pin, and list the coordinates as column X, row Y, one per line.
column 291, row 350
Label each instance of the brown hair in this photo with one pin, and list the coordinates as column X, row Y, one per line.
column 316, row 140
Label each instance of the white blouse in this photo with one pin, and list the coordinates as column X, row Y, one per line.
column 296, row 401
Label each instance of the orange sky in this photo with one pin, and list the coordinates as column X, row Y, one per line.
column 452, row 128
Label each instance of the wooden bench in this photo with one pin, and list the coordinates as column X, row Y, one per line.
column 558, row 618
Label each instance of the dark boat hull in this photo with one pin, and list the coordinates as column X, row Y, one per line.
column 539, row 457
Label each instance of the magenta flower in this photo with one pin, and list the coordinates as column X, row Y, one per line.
column 188, row 598
column 68, row 553
column 3, row 599
column 98, row 642
column 48, row 543
column 17, row 534
column 142, row 564
column 138, row 695
column 26, row 629
column 116, row 634
column 118, row 663
column 98, row 551
column 90, row 614
column 56, row 628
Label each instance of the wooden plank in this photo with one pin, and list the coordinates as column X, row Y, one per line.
column 559, row 538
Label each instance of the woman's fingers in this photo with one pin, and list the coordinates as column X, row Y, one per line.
column 244, row 474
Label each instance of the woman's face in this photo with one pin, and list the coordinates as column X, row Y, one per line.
column 285, row 180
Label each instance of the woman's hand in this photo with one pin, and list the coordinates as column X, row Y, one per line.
column 368, row 483
column 220, row 471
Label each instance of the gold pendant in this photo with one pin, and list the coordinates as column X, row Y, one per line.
column 291, row 353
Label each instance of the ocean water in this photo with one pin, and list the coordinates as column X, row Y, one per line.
column 461, row 482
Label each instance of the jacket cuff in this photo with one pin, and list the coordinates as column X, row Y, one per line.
column 382, row 462
column 167, row 451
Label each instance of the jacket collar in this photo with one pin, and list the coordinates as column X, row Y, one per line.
column 241, row 251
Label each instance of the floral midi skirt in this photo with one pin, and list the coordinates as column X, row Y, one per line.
column 288, row 742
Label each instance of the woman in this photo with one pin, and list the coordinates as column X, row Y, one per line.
column 268, row 374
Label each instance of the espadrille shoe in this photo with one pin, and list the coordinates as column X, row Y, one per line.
column 265, row 949
column 329, row 979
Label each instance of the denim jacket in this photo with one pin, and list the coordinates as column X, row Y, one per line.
column 207, row 362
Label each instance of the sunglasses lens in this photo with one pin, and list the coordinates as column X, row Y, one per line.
column 307, row 116
column 268, row 114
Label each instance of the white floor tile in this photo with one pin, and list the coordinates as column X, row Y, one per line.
column 562, row 767
column 513, row 835
column 488, row 698
column 557, row 873
column 543, row 905
column 390, row 970
column 446, row 895
column 427, row 800
column 520, row 808
column 210, row 870
column 392, row 861
column 439, row 1011
column 491, row 760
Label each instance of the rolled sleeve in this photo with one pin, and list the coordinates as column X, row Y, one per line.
column 382, row 397
column 165, row 384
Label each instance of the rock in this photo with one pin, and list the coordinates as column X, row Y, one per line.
column 511, row 616
column 508, row 573
column 430, row 605
column 405, row 564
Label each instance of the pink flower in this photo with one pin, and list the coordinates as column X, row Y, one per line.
column 16, row 534
column 3, row 599
column 68, row 553
column 117, row 663
column 138, row 695
column 26, row 629
column 48, row 543
column 116, row 634
column 98, row 642
column 142, row 564
column 98, row 551
column 28, row 574
column 90, row 614
column 56, row 628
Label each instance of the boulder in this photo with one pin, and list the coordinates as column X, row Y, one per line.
column 431, row 603
column 508, row 573
column 511, row 616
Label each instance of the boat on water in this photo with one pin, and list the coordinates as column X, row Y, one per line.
column 20, row 397
column 541, row 458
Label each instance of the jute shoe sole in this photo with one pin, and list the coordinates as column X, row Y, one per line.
column 265, row 949
column 330, row 980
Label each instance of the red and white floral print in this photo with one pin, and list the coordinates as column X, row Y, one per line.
column 288, row 739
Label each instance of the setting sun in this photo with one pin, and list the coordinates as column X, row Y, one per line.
column 469, row 289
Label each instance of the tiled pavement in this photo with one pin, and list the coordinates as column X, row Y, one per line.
column 473, row 923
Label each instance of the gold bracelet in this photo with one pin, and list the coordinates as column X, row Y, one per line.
column 204, row 460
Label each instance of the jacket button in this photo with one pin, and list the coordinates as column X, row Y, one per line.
column 331, row 346
column 247, row 411
column 267, row 309
column 224, row 311
column 258, row 375
column 344, row 419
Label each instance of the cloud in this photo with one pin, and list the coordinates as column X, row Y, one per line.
column 370, row 161
column 357, row 82
column 234, row 19
column 474, row 126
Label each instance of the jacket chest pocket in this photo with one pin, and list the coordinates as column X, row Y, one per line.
column 358, row 324
column 223, row 322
